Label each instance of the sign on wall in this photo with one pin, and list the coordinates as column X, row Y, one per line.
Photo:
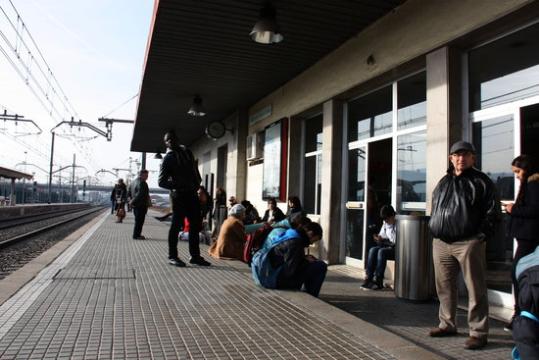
column 275, row 161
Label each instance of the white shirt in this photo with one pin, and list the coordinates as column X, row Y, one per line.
column 388, row 232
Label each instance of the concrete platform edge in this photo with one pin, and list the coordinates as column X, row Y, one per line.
column 15, row 281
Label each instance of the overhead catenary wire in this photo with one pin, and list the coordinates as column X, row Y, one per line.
column 119, row 106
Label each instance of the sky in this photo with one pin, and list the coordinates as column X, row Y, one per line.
column 95, row 50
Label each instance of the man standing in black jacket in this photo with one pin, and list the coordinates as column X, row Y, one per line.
column 465, row 210
column 179, row 174
column 140, row 203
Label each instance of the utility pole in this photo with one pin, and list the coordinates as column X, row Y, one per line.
column 73, row 181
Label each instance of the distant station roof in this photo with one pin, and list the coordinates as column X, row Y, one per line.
column 14, row 174
column 204, row 48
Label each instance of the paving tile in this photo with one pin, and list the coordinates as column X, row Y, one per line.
column 120, row 298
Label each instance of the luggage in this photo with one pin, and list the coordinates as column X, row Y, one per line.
column 526, row 325
column 254, row 241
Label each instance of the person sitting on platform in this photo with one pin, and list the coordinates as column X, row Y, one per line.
column 229, row 244
column 251, row 214
column 294, row 205
column 382, row 251
column 282, row 263
column 273, row 213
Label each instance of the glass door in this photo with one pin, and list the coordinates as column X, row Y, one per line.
column 356, row 204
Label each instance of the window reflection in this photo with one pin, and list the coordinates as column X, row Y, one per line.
column 494, row 143
column 411, row 172
column 412, row 101
column 354, row 233
column 514, row 75
column 493, row 140
column 370, row 115
column 356, row 176
column 272, row 162
column 312, row 183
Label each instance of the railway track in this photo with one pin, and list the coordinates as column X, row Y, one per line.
column 20, row 244
column 22, row 227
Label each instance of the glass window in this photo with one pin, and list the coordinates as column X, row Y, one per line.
column 272, row 161
column 412, row 101
column 493, row 140
column 312, row 184
column 411, row 172
column 313, row 134
column 356, row 177
column 370, row 115
column 513, row 75
column 354, row 233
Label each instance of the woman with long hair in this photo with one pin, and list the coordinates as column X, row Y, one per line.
column 524, row 212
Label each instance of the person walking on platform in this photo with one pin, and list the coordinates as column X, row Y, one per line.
column 524, row 223
column 119, row 197
column 140, row 203
column 179, row 174
column 465, row 210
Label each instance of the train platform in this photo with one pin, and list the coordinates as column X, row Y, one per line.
column 99, row 294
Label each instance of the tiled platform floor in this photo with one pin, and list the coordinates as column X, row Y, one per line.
column 118, row 298
column 408, row 320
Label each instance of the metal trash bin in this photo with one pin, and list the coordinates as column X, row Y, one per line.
column 414, row 270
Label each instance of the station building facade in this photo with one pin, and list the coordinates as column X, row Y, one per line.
column 371, row 123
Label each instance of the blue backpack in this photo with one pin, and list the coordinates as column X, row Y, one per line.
column 264, row 274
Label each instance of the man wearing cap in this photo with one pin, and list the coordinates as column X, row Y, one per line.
column 179, row 174
column 465, row 210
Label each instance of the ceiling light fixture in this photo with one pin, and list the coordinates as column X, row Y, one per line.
column 266, row 30
column 158, row 155
column 197, row 109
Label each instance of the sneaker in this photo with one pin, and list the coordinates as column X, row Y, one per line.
column 139, row 237
column 509, row 326
column 439, row 332
column 367, row 284
column 378, row 284
column 199, row 260
column 176, row 262
column 475, row 343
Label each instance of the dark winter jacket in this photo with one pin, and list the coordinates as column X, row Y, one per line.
column 290, row 254
column 526, row 330
column 464, row 206
column 119, row 193
column 278, row 215
column 141, row 194
column 179, row 171
column 524, row 223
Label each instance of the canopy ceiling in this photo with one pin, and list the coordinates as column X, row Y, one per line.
column 203, row 47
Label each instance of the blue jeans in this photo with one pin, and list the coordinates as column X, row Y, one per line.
column 377, row 259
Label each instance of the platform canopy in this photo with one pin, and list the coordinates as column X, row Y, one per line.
column 14, row 174
column 203, row 47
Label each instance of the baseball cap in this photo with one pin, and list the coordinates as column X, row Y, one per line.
column 462, row 146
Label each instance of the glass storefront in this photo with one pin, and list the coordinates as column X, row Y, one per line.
column 501, row 93
column 385, row 157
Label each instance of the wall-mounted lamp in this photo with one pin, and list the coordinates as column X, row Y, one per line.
column 266, row 30
column 197, row 109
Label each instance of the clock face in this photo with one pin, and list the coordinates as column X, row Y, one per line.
column 215, row 130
